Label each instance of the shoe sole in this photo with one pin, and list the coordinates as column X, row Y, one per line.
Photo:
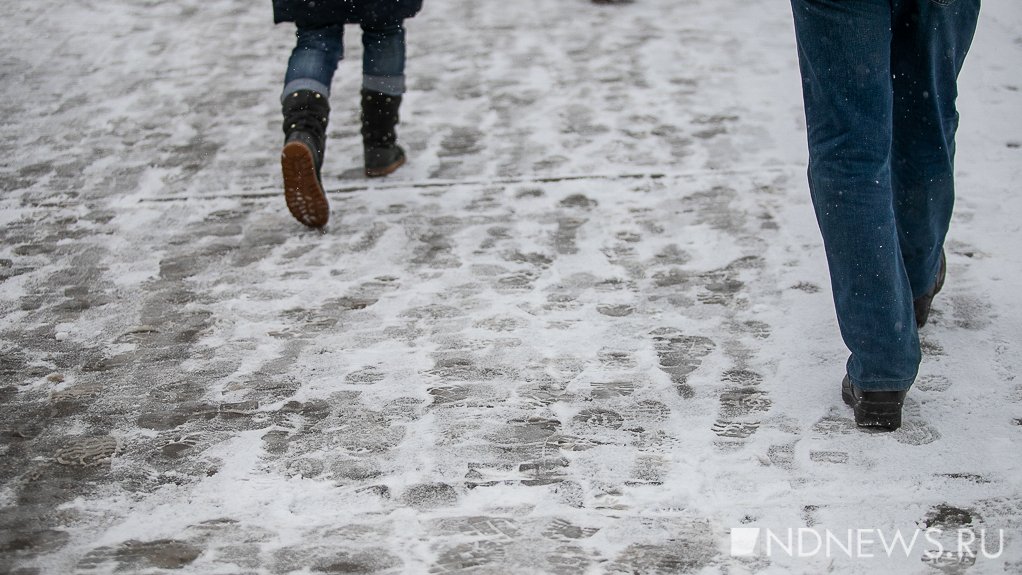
column 386, row 170
column 302, row 191
column 886, row 415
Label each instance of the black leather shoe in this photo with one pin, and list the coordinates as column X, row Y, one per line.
column 922, row 303
column 876, row 409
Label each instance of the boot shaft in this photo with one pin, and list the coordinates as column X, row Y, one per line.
column 306, row 115
column 379, row 116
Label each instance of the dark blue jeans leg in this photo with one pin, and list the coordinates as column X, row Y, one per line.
column 929, row 46
column 383, row 58
column 844, row 49
column 314, row 60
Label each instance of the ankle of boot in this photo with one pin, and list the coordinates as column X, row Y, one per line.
column 316, row 147
column 378, row 157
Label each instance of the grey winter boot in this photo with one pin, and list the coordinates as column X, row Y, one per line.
column 379, row 116
column 306, row 114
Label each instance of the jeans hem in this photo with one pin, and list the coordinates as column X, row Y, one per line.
column 304, row 84
column 889, row 385
column 390, row 85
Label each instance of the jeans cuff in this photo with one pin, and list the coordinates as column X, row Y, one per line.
column 390, row 85
column 304, row 84
column 888, row 385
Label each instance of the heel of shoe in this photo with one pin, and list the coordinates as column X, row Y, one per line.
column 303, row 192
column 881, row 415
column 381, row 162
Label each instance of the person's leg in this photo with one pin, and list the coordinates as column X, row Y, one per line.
column 383, row 83
column 383, row 58
column 844, row 57
column 314, row 60
column 928, row 48
column 306, row 111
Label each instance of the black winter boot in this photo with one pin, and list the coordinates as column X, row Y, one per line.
column 306, row 114
column 379, row 116
column 876, row 409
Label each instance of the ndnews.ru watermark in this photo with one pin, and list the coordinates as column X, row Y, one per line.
column 935, row 544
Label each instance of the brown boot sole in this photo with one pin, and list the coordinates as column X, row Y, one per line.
column 386, row 170
column 302, row 191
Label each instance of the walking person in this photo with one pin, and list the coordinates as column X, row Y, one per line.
column 879, row 81
column 305, row 99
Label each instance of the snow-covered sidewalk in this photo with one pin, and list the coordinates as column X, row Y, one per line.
column 586, row 329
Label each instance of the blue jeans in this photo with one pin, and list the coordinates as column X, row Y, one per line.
column 318, row 50
column 879, row 81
